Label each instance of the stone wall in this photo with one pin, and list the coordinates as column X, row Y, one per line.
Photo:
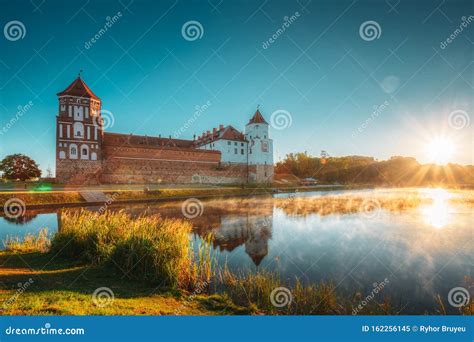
column 148, row 164
column 260, row 173
column 81, row 172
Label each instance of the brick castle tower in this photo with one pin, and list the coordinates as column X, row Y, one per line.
column 79, row 135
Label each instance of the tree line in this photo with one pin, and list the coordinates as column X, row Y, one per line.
column 396, row 171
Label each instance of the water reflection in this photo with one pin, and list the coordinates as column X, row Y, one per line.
column 251, row 231
column 315, row 240
column 439, row 213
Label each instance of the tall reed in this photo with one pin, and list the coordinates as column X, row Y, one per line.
column 144, row 248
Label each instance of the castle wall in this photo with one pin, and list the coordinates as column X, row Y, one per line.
column 130, row 164
column 260, row 173
column 81, row 172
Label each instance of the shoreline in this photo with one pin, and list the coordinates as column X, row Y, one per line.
column 160, row 195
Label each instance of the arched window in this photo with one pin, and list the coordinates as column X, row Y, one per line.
column 93, row 156
column 84, row 152
column 62, row 155
column 73, row 151
column 78, row 130
column 78, row 113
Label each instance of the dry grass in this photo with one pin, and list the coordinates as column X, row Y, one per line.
column 144, row 248
column 29, row 243
column 346, row 204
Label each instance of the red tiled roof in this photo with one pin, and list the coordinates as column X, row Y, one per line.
column 226, row 133
column 140, row 140
column 257, row 118
column 78, row 88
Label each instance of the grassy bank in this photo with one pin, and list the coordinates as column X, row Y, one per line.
column 64, row 287
column 35, row 198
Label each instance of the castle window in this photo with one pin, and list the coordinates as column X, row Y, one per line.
column 235, row 151
column 242, row 151
column 84, row 152
column 78, row 113
column 264, row 137
column 228, row 143
column 62, row 155
column 235, row 143
column 73, row 151
column 78, row 130
column 241, row 144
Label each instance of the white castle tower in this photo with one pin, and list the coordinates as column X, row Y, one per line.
column 260, row 149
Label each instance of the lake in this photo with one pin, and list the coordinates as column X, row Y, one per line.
column 418, row 250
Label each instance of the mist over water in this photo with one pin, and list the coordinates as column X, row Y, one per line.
column 421, row 249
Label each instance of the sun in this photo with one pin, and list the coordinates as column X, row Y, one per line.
column 440, row 150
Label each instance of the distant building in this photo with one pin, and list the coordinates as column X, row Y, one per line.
column 85, row 154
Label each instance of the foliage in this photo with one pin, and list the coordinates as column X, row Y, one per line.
column 19, row 167
column 397, row 171
column 145, row 248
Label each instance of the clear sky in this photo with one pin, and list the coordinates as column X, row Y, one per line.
column 321, row 69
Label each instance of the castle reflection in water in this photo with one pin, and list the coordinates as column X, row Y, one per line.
column 251, row 231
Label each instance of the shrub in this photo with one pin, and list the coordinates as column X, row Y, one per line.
column 145, row 248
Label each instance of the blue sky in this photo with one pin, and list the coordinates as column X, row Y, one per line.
column 320, row 70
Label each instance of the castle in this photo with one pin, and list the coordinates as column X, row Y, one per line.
column 86, row 154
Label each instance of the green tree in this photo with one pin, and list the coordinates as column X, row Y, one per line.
column 19, row 167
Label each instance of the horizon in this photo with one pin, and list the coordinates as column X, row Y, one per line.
column 332, row 87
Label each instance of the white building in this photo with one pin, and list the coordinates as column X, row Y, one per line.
column 253, row 148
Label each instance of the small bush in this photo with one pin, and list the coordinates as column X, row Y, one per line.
column 145, row 248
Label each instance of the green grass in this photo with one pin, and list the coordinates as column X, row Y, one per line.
column 63, row 287
column 147, row 248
